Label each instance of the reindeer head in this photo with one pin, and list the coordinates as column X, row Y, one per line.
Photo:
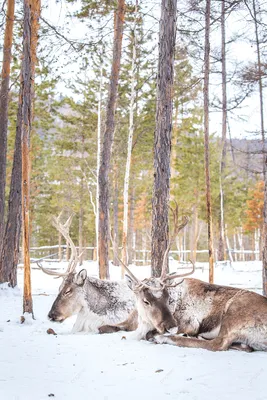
column 152, row 300
column 152, row 294
column 70, row 298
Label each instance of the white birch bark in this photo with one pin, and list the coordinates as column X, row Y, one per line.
column 235, row 248
column 98, row 159
column 228, row 245
column 257, row 244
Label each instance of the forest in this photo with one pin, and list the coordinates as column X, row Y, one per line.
column 71, row 110
column 133, row 199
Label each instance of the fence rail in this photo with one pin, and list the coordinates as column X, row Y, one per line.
column 56, row 253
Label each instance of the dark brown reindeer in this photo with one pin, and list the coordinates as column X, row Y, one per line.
column 135, row 321
column 213, row 317
column 224, row 317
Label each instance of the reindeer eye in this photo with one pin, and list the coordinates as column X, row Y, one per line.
column 146, row 302
column 68, row 292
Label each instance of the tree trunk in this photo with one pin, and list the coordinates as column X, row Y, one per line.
column 81, row 210
column 4, row 91
column 206, row 135
column 194, row 233
column 235, row 248
column 10, row 249
column 221, row 246
column 81, row 222
column 184, row 243
column 144, row 244
column 115, row 218
column 131, row 230
column 103, row 181
column 129, row 150
column 98, row 161
column 256, row 244
column 264, row 155
column 30, row 36
column 162, row 138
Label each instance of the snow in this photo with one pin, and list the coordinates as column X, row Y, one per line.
column 37, row 366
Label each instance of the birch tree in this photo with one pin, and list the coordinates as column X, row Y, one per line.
column 103, row 179
column 129, row 148
column 4, row 91
column 221, row 245
column 206, row 139
column 30, row 36
column 99, row 108
column 162, row 138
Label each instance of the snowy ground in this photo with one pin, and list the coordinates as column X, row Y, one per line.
column 37, row 366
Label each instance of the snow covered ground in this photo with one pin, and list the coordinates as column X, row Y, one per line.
column 37, row 366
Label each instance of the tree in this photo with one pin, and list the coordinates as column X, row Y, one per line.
column 162, row 138
column 103, row 181
column 257, row 76
column 206, row 139
column 129, row 149
column 221, row 244
column 4, row 92
column 32, row 10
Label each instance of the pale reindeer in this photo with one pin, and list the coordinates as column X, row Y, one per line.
column 96, row 302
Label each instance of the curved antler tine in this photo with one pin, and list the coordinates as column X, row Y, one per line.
column 49, row 272
column 64, row 230
column 68, row 222
column 172, row 276
column 129, row 272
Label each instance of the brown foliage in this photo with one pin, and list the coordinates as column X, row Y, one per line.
column 254, row 210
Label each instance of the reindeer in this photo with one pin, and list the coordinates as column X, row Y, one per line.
column 95, row 302
column 214, row 317
column 135, row 320
column 201, row 315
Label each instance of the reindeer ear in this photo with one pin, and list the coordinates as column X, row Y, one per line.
column 130, row 282
column 80, row 278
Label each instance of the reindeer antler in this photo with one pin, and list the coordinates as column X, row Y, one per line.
column 164, row 276
column 64, row 228
column 177, row 228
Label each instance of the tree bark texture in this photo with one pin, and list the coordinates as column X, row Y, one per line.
column 221, row 245
column 99, row 109
column 264, row 155
column 10, row 249
column 131, row 229
column 4, row 91
column 206, row 139
column 116, row 218
column 81, row 223
column 162, row 138
column 103, row 181
column 125, row 256
column 30, row 36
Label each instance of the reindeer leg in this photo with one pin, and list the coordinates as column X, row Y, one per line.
column 130, row 324
column 217, row 344
column 241, row 347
